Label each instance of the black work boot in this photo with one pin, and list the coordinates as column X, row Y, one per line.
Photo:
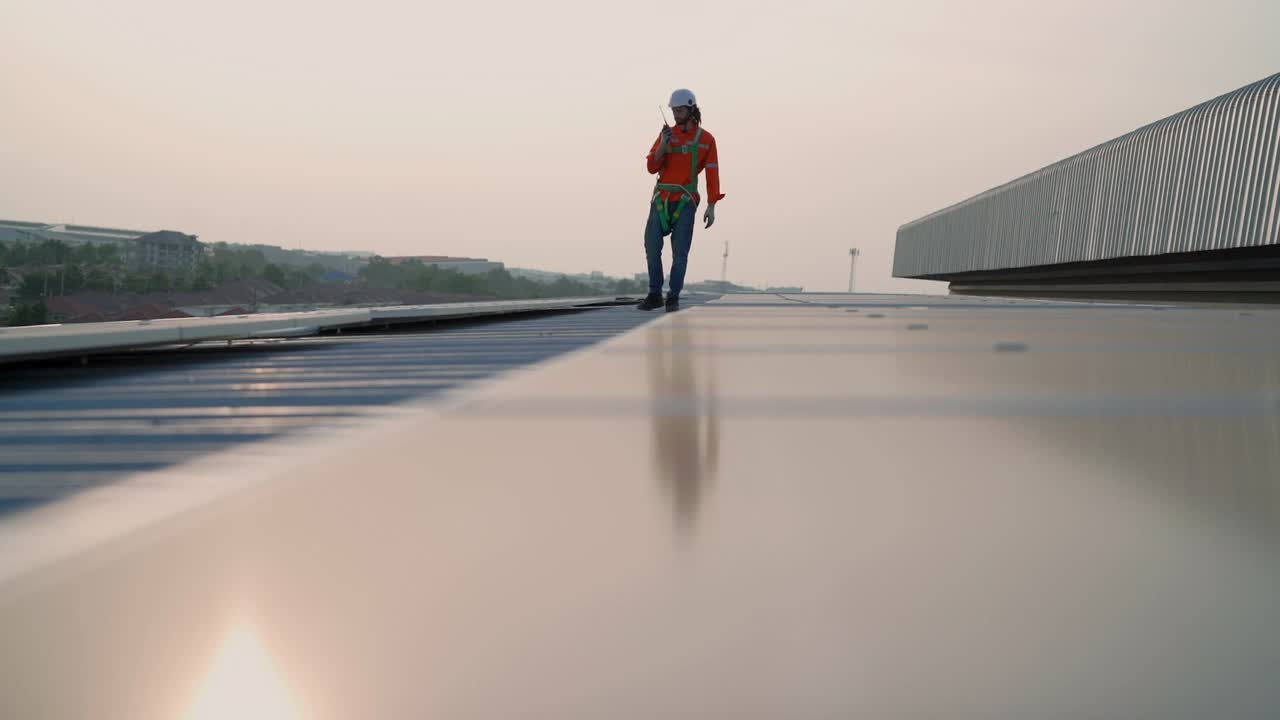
column 673, row 303
column 650, row 302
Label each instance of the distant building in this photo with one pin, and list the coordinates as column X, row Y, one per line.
column 163, row 250
column 466, row 266
column 35, row 232
column 166, row 250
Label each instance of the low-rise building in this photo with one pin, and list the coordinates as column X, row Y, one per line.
column 167, row 250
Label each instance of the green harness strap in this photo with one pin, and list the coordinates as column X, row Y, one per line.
column 668, row 219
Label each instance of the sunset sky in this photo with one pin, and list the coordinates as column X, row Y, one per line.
column 517, row 130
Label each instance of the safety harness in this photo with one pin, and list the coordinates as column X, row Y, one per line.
column 668, row 219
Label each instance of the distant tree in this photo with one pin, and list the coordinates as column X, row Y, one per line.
column 379, row 273
column 497, row 283
column 500, row 283
column 461, row 284
column 13, row 255
column 35, row 313
column 296, row 277
column 38, row 313
column 108, row 255
column 49, row 252
column 206, row 276
column 32, row 286
column 626, row 287
column 137, row 282
column 82, row 253
column 563, row 286
column 239, row 263
column 274, row 275
column 98, row 278
column 73, row 278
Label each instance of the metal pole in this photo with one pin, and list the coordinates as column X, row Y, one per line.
column 853, row 259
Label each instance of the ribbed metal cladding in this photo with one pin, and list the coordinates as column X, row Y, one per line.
column 65, row 428
column 1204, row 179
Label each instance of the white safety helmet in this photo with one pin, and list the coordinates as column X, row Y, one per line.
column 683, row 98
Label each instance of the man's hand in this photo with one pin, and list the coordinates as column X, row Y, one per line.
column 665, row 140
column 710, row 215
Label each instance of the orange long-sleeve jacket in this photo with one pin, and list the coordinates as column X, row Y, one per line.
column 675, row 167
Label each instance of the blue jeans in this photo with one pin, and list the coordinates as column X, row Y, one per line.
column 681, row 241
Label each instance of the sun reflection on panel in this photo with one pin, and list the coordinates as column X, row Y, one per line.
column 242, row 682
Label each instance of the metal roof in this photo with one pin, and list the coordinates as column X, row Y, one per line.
column 66, row 426
column 767, row 506
column 1202, row 180
column 88, row 338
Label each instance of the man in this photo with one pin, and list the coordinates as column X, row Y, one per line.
column 677, row 156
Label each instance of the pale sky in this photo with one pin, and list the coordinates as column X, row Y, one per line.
column 517, row 130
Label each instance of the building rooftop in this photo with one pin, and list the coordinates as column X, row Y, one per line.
column 63, row 230
column 766, row 505
column 70, row 425
column 168, row 237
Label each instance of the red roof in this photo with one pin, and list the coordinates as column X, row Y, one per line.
column 149, row 311
column 431, row 259
column 70, row 307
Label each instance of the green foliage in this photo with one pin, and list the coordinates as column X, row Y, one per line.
column 497, row 283
column 28, row 314
column 205, row 276
column 273, row 274
column 52, row 267
column 234, row 263
column 99, row 278
column 628, row 287
column 137, row 282
column 72, row 278
column 33, row 286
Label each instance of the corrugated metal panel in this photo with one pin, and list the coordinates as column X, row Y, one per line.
column 74, row 339
column 65, row 427
column 1207, row 178
column 829, row 507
